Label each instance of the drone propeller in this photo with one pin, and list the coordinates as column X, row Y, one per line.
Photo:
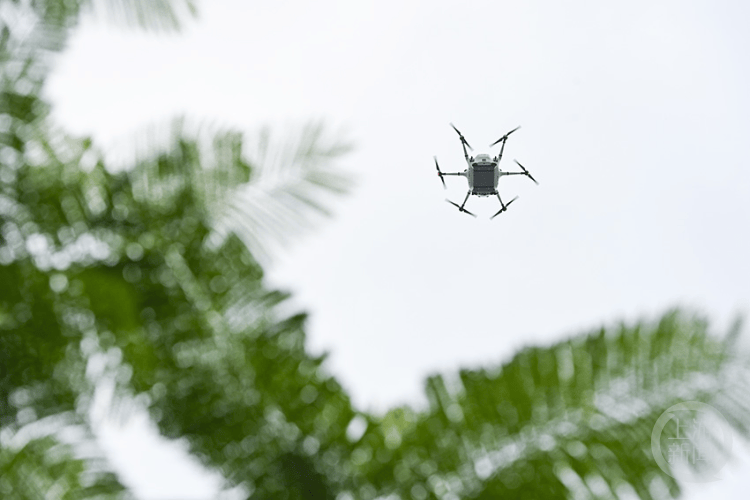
column 505, row 207
column 460, row 209
column 505, row 136
column 526, row 173
column 440, row 174
column 461, row 136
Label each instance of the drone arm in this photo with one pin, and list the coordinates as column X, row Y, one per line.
column 466, row 154
column 453, row 173
column 503, row 206
column 461, row 206
column 503, row 139
column 519, row 173
column 525, row 172
column 502, row 148
column 463, row 142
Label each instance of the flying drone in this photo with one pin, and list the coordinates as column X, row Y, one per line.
column 483, row 173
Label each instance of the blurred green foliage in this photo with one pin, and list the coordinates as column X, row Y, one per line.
column 155, row 268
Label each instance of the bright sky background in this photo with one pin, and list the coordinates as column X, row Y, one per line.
column 635, row 118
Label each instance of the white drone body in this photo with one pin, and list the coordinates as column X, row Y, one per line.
column 483, row 174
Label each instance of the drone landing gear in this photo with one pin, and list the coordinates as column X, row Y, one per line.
column 461, row 206
column 505, row 207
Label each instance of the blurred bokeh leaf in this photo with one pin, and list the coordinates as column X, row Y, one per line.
column 144, row 268
column 150, row 15
column 265, row 188
column 574, row 419
column 44, row 468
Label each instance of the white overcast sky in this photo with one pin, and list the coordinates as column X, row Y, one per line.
column 635, row 118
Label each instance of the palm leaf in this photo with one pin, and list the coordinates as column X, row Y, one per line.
column 574, row 419
column 150, row 15
column 262, row 188
column 36, row 465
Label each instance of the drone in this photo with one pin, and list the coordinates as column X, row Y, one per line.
column 483, row 174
